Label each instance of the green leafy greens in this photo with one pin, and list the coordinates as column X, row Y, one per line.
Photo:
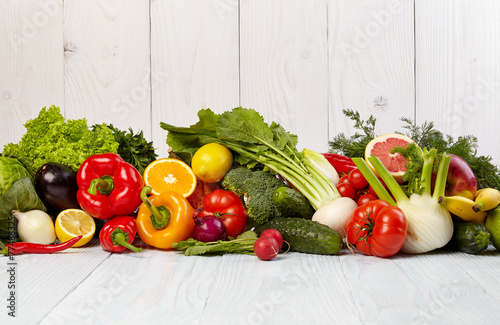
column 50, row 138
column 133, row 147
column 243, row 244
column 256, row 145
column 425, row 136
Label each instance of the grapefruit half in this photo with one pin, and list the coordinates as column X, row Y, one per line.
column 381, row 147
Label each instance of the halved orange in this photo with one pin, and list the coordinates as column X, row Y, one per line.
column 170, row 174
column 394, row 162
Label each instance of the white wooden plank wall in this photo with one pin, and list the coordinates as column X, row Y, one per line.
column 135, row 63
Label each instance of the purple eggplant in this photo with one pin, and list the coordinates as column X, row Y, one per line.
column 56, row 186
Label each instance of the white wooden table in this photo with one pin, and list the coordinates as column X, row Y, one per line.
column 90, row 286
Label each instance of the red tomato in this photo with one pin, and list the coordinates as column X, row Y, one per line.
column 365, row 198
column 377, row 228
column 357, row 180
column 346, row 190
column 227, row 206
column 344, row 179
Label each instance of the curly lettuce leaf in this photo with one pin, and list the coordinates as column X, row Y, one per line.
column 51, row 138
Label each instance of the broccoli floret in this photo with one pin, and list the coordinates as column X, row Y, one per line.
column 256, row 188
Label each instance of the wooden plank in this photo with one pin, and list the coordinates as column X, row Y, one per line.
column 371, row 63
column 107, row 56
column 43, row 281
column 284, row 66
column 457, row 69
column 194, row 61
column 31, row 63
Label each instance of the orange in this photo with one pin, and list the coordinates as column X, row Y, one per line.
column 381, row 147
column 170, row 174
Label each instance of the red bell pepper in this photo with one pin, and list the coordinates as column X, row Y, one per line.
column 108, row 186
column 342, row 164
column 118, row 233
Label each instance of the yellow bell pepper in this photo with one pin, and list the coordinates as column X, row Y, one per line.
column 164, row 219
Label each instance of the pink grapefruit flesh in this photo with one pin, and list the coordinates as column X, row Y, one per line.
column 381, row 147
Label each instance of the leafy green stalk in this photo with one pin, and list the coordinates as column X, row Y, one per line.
column 241, row 245
column 372, row 179
column 256, row 145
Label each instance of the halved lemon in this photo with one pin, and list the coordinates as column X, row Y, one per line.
column 74, row 222
column 381, row 147
column 170, row 174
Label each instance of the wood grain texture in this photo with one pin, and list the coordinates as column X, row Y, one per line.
column 284, row 66
column 371, row 63
column 107, row 63
column 31, row 63
column 90, row 286
column 457, row 69
column 194, row 61
column 44, row 280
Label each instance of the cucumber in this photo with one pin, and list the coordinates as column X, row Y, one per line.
column 305, row 236
column 469, row 237
column 292, row 204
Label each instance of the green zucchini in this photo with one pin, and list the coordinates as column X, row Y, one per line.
column 305, row 236
column 292, row 204
column 469, row 237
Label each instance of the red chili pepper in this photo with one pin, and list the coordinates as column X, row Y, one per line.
column 108, row 186
column 342, row 164
column 118, row 233
column 31, row 248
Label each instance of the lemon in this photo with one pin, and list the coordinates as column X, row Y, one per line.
column 74, row 222
column 211, row 162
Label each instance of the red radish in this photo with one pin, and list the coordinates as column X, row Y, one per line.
column 275, row 234
column 266, row 248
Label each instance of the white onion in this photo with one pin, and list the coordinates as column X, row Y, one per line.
column 336, row 214
column 35, row 226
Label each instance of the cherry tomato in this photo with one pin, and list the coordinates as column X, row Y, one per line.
column 346, row 190
column 357, row 180
column 365, row 198
column 228, row 207
column 344, row 179
column 377, row 228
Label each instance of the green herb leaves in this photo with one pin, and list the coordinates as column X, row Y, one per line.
column 241, row 245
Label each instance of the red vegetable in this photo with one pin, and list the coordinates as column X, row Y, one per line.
column 346, row 190
column 266, row 248
column 342, row 164
column 209, row 229
column 377, row 228
column 228, row 207
column 108, row 186
column 30, row 248
column 118, row 233
column 357, row 180
column 275, row 234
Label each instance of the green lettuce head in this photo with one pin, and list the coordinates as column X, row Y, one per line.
column 11, row 170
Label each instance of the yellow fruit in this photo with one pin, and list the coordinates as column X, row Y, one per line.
column 381, row 147
column 170, row 174
column 73, row 222
column 211, row 162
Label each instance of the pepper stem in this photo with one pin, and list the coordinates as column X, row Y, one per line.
column 120, row 238
column 160, row 215
column 103, row 184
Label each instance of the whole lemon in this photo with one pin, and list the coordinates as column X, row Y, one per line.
column 211, row 162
